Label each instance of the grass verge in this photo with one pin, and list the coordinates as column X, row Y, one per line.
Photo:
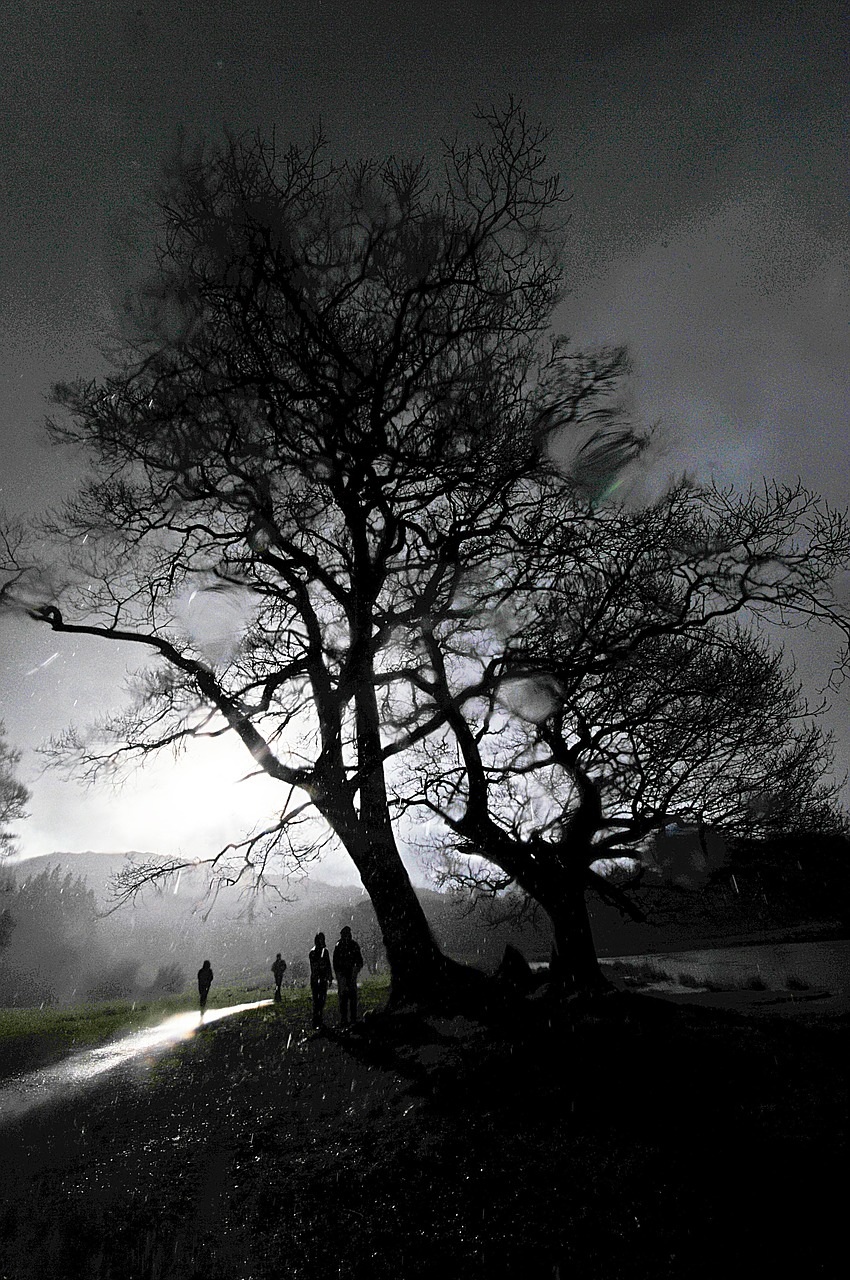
column 645, row 973
column 31, row 1038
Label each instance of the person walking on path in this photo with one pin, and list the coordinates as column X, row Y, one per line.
column 278, row 969
column 348, row 961
column 205, row 977
column 321, row 975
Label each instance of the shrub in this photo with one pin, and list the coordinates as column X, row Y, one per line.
column 639, row 973
column 689, row 980
column 117, row 981
column 169, row 980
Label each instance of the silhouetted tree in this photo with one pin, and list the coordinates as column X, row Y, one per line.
column 13, row 795
column 52, row 942
column 338, row 393
column 630, row 682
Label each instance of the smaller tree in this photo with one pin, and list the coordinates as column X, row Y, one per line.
column 13, row 794
column 52, row 945
column 628, row 687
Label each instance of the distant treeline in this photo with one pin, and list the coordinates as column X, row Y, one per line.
column 790, row 884
column 54, row 948
column 60, row 943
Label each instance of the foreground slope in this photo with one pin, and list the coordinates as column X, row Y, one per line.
column 632, row 1141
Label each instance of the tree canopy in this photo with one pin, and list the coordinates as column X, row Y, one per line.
column 633, row 680
column 339, row 382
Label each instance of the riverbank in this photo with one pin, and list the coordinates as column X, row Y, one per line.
column 634, row 1139
column 789, row 979
column 654, row 942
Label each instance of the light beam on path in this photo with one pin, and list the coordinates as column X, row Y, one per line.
column 47, row 1084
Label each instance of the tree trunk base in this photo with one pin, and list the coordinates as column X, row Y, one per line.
column 452, row 988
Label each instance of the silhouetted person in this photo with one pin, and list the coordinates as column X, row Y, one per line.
column 348, row 961
column 205, row 977
column 321, row 975
column 278, row 969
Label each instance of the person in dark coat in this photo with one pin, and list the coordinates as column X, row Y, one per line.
column 321, row 975
column 278, row 969
column 348, row 961
column 205, row 977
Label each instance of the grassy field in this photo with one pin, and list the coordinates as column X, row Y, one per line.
column 32, row 1038
column 631, row 1139
column 639, row 973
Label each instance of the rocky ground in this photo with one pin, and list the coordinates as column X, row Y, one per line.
column 633, row 1139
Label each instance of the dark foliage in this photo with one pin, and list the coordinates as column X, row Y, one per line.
column 13, row 797
column 52, row 932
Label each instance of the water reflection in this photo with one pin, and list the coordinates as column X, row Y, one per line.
column 23, row 1093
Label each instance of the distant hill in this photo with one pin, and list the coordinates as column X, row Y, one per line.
column 763, row 889
column 240, row 931
column 187, row 893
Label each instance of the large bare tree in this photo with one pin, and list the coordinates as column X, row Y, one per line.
column 338, row 395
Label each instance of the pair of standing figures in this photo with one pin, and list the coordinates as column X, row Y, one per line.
column 346, row 965
column 205, row 977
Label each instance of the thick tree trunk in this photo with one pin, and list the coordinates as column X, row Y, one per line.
column 413, row 955
column 420, row 973
column 416, row 962
column 575, row 964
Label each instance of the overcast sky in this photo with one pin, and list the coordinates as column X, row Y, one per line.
column 704, row 147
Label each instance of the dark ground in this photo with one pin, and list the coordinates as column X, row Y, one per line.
column 640, row 1140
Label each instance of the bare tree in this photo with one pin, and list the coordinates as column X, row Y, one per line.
column 13, row 794
column 338, row 392
column 634, row 683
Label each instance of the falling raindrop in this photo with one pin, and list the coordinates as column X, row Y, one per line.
column 46, row 663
